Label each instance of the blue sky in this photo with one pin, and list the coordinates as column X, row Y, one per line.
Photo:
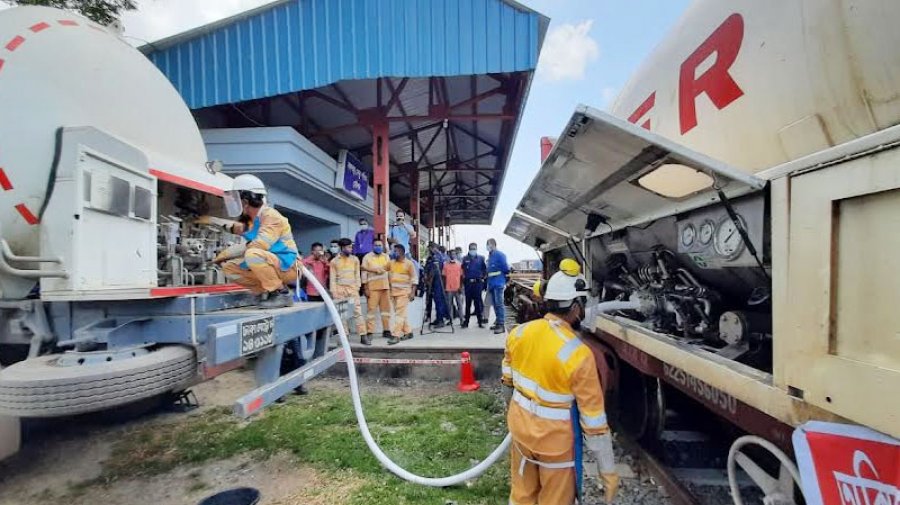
column 591, row 50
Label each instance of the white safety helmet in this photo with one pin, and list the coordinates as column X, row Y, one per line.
column 563, row 289
column 245, row 183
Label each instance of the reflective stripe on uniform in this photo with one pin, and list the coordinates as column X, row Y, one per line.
column 539, row 410
column 567, row 350
column 507, row 370
column 255, row 260
column 267, row 240
column 543, row 394
column 561, row 465
column 597, row 421
column 494, row 274
column 399, row 285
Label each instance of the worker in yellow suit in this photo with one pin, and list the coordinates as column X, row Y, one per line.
column 345, row 283
column 404, row 278
column 548, row 370
column 268, row 262
column 375, row 266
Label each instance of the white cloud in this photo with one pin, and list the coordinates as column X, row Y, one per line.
column 156, row 19
column 567, row 51
column 607, row 95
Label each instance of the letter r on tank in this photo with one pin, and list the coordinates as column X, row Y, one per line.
column 716, row 82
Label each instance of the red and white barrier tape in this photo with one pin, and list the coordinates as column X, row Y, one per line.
column 393, row 361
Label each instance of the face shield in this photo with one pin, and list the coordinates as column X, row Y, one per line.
column 233, row 205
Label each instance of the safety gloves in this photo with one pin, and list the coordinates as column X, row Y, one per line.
column 601, row 447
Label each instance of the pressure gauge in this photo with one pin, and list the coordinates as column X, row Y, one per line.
column 727, row 241
column 688, row 234
column 706, row 231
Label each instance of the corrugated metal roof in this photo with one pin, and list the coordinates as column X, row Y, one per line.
column 296, row 45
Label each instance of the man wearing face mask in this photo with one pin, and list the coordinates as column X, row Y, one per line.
column 401, row 232
column 333, row 250
column 474, row 273
column 403, row 276
column 497, row 269
column 375, row 266
column 345, row 284
column 318, row 265
column 269, row 262
column 557, row 402
column 364, row 240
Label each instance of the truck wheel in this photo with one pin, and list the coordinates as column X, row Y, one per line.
column 77, row 383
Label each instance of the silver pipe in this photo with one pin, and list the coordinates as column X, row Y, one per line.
column 10, row 256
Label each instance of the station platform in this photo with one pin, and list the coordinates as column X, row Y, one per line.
column 484, row 347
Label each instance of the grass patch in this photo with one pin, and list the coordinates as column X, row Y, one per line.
column 428, row 435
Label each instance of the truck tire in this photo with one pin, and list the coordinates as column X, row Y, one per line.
column 40, row 387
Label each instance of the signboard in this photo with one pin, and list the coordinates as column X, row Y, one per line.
column 352, row 176
column 842, row 464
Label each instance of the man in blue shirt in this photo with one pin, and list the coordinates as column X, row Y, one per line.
column 474, row 273
column 365, row 237
column 401, row 232
column 435, row 287
column 497, row 269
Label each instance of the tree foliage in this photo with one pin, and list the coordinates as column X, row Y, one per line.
column 101, row 11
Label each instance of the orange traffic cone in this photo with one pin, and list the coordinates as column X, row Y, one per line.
column 467, row 380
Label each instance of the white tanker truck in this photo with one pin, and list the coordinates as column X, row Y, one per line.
column 738, row 214
column 107, row 284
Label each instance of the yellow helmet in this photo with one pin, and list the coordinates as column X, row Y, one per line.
column 536, row 289
column 570, row 267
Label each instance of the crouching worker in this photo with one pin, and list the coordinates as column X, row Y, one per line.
column 556, row 402
column 267, row 264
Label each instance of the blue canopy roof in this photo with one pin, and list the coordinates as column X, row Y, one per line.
column 294, row 45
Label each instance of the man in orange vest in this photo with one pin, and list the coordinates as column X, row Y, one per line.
column 375, row 266
column 345, row 283
column 404, row 276
column 555, row 396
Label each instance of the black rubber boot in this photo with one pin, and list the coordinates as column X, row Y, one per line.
column 365, row 339
column 386, row 334
column 278, row 299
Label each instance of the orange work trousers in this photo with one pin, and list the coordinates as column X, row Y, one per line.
column 264, row 274
column 378, row 300
column 351, row 294
column 544, row 441
column 401, row 318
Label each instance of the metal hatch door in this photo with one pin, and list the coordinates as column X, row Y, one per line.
column 529, row 230
column 626, row 174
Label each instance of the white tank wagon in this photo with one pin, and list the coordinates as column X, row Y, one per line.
column 107, row 283
column 738, row 211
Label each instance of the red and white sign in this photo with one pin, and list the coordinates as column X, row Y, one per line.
column 844, row 464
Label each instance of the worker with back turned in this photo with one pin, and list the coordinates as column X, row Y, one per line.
column 556, row 397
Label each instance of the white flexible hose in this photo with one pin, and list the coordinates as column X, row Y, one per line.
column 385, row 461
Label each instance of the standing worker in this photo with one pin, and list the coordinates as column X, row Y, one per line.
column 269, row 262
column 474, row 273
column 364, row 240
column 345, row 284
column 546, row 368
column 318, row 265
column 435, row 286
column 497, row 269
column 453, row 286
column 403, row 277
column 375, row 266
column 402, row 232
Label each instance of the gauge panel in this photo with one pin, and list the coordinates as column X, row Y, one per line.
column 709, row 238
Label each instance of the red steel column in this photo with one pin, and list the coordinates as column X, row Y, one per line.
column 414, row 213
column 381, row 167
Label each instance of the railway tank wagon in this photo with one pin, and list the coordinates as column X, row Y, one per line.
column 739, row 206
